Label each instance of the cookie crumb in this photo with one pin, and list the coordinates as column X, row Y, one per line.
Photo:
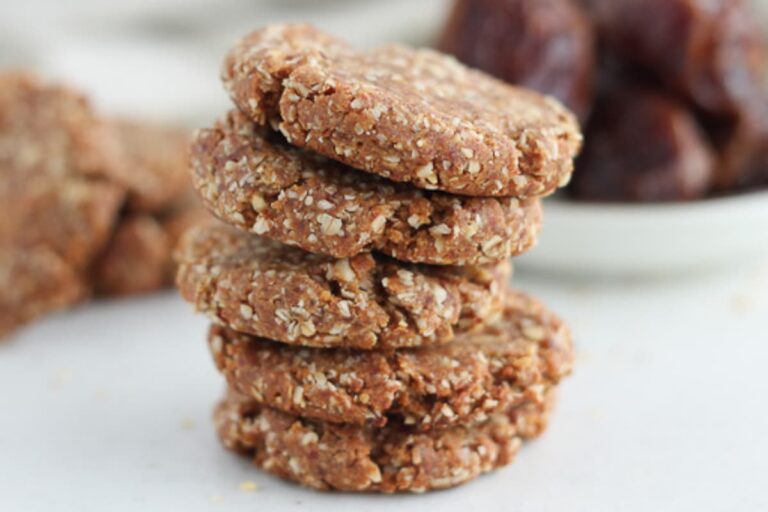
column 248, row 486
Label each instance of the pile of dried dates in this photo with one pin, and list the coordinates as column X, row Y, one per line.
column 673, row 94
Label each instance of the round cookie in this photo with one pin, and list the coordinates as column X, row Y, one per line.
column 511, row 361
column 409, row 115
column 390, row 459
column 252, row 180
column 261, row 287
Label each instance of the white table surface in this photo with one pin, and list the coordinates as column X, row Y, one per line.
column 108, row 408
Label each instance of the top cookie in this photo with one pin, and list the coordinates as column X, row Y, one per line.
column 409, row 115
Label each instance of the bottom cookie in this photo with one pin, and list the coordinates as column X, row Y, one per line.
column 390, row 459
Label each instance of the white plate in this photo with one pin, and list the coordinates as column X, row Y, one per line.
column 643, row 240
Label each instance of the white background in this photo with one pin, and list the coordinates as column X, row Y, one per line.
column 108, row 407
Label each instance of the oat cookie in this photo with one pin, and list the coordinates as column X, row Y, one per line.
column 329, row 456
column 258, row 286
column 507, row 363
column 408, row 115
column 52, row 154
column 253, row 180
column 136, row 260
column 154, row 164
column 34, row 281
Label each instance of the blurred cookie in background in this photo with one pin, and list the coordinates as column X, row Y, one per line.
column 153, row 167
column 71, row 182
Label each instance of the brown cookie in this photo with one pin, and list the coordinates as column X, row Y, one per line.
column 329, row 456
column 139, row 257
column 254, row 181
column 261, row 287
column 509, row 362
column 153, row 165
column 136, row 260
column 34, row 281
column 59, row 209
column 52, row 152
column 408, row 115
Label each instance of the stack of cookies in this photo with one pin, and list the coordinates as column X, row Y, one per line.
column 358, row 284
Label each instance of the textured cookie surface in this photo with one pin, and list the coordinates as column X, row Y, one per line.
column 408, row 115
column 252, row 180
column 257, row 286
column 509, row 362
column 389, row 459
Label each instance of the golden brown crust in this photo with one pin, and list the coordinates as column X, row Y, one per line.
column 328, row 456
column 408, row 115
column 254, row 181
column 257, row 286
column 507, row 363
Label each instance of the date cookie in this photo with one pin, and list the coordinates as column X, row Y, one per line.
column 393, row 458
column 251, row 179
column 511, row 361
column 409, row 115
column 261, row 287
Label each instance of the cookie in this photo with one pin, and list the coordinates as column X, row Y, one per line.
column 329, row 456
column 153, row 165
column 54, row 155
column 251, row 179
column 34, row 281
column 136, row 260
column 409, row 115
column 139, row 257
column 261, row 287
column 511, row 361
